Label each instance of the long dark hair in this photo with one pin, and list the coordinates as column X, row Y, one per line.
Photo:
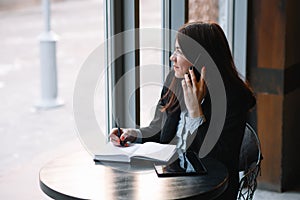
column 212, row 38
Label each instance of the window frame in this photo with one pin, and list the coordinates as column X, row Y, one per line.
column 120, row 17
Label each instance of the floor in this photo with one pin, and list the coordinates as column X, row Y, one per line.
column 31, row 137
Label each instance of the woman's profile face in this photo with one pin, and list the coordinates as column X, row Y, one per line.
column 180, row 63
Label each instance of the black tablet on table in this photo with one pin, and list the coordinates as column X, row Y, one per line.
column 187, row 164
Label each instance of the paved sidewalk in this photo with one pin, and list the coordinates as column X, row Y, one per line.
column 30, row 137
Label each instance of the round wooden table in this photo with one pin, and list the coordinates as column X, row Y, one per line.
column 76, row 176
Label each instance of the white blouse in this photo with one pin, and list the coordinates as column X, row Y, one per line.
column 187, row 126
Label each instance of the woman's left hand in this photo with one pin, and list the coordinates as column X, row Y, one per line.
column 194, row 92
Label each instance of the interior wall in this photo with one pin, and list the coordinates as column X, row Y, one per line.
column 291, row 138
column 273, row 64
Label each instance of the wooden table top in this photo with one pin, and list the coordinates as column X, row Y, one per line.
column 76, row 176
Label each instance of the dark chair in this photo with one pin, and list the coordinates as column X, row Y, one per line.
column 249, row 164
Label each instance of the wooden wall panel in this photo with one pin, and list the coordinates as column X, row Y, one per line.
column 292, row 33
column 273, row 68
column 271, row 33
column 269, row 130
column 291, row 141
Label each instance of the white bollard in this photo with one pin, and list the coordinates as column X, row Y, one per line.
column 49, row 95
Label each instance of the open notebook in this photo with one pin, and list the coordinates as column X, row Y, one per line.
column 148, row 151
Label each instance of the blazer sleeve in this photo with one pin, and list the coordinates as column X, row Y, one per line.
column 152, row 132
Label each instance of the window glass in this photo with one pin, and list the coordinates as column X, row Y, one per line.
column 98, row 42
column 150, row 61
column 203, row 10
column 219, row 11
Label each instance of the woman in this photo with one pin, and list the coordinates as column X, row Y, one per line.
column 183, row 113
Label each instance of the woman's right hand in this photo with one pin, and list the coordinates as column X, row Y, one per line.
column 127, row 135
column 194, row 92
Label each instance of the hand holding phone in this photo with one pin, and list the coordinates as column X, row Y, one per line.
column 196, row 72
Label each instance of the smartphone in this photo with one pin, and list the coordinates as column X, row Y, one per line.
column 195, row 167
column 197, row 74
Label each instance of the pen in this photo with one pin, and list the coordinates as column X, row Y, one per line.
column 119, row 132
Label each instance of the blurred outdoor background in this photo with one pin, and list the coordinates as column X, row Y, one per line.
column 31, row 137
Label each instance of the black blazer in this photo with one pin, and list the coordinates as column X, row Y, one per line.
column 163, row 128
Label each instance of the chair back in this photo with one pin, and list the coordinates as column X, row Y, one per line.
column 249, row 164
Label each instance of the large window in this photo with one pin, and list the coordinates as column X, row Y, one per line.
column 148, row 63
